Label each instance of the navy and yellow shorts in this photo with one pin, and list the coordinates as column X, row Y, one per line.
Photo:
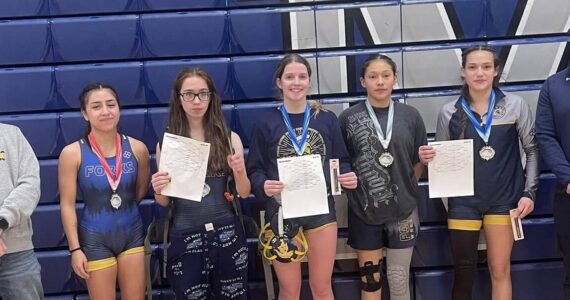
column 102, row 249
column 399, row 234
column 309, row 224
column 471, row 214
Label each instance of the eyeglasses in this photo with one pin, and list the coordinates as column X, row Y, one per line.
column 190, row 96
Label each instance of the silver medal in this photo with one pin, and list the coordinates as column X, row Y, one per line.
column 116, row 201
column 206, row 190
column 386, row 159
column 487, row 152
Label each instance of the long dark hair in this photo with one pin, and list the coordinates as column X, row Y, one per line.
column 216, row 131
column 496, row 65
column 374, row 57
column 465, row 88
column 84, row 99
column 295, row 58
column 289, row 59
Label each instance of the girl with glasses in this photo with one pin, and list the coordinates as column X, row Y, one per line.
column 207, row 254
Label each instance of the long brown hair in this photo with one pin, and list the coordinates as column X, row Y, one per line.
column 296, row 58
column 84, row 99
column 496, row 65
column 216, row 131
column 465, row 88
column 375, row 57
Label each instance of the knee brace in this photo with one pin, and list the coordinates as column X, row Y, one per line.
column 367, row 271
column 398, row 280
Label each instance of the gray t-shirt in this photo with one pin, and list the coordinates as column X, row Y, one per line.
column 384, row 194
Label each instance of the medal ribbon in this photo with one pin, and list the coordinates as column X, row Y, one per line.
column 385, row 141
column 486, row 132
column 113, row 180
column 298, row 145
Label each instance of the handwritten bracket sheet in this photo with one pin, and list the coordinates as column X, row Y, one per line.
column 186, row 161
column 451, row 171
column 305, row 191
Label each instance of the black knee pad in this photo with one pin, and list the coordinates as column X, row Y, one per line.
column 368, row 271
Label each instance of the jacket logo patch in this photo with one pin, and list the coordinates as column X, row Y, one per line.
column 2, row 155
column 499, row 112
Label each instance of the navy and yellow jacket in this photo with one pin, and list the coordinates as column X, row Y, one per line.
column 501, row 178
column 270, row 141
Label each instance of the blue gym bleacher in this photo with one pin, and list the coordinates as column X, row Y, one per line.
column 267, row 25
column 50, row 49
column 158, row 5
column 16, row 34
column 15, row 8
column 95, row 38
column 159, row 76
column 125, row 77
column 71, row 7
column 182, row 34
column 16, row 95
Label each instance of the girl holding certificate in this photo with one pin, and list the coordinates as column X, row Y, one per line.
column 207, row 254
column 296, row 129
column 109, row 171
column 497, row 122
column 382, row 137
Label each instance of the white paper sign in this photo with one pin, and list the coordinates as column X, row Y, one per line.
column 451, row 171
column 186, row 161
column 305, row 190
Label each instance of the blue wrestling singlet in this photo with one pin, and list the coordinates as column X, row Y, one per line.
column 106, row 232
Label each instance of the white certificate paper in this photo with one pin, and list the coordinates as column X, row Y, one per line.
column 451, row 171
column 305, row 191
column 186, row 161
